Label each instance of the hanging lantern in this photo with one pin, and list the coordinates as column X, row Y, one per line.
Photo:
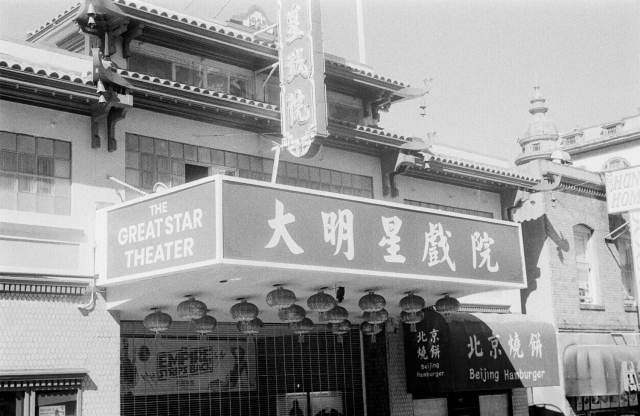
column 340, row 329
column 244, row 311
column 447, row 305
column 157, row 322
column 205, row 325
column 281, row 298
column 321, row 302
column 293, row 313
column 372, row 302
column 301, row 328
column 250, row 328
column 370, row 329
column 376, row 318
column 412, row 303
column 412, row 318
column 191, row 309
column 336, row 315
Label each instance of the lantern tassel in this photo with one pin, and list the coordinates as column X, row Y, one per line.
column 301, row 338
column 339, row 339
column 413, row 328
column 373, row 339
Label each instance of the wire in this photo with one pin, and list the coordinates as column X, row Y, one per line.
column 225, row 5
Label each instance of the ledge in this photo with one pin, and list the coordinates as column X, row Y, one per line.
column 591, row 307
column 631, row 309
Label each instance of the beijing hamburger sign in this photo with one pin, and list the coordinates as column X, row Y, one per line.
column 623, row 190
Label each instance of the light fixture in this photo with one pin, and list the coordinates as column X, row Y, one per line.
column 447, row 305
column 205, row 325
column 321, row 302
column 244, row 311
column 250, row 328
column 303, row 327
column 376, row 318
column 294, row 313
column 412, row 318
column 336, row 315
column 372, row 302
column 280, row 298
column 369, row 329
column 412, row 303
column 340, row 329
column 191, row 309
column 157, row 321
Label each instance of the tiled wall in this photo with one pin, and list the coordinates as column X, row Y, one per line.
column 39, row 332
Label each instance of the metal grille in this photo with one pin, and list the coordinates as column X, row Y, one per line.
column 228, row 373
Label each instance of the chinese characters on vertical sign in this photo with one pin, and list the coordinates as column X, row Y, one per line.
column 302, row 100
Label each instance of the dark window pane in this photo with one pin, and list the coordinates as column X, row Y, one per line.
column 325, row 176
column 132, row 160
column 27, row 184
column 150, row 66
column 45, row 166
column 45, row 186
column 367, row 183
column 9, row 161
column 7, row 141
column 346, row 180
column 237, row 87
column 216, row 82
column 231, row 159
column 44, row 147
column 217, row 157
column 336, row 178
column 177, row 168
column 303, row 172
column 176, row 150
column 8, row 181
column 314, row 174
column 26, row 163
column 190, row 152
column 62, row 150
column 148, row 180
column 132, row 177
column 26, row 144
column 62, row 168
column 163, row 164
column 244, row 162
column 356, row 181
column 204, row 155
column 292, row 170
column 131, row 142
column 147, row 162
column 267, row 166
column 256, row 164
column 146, row 144
column 162, row 147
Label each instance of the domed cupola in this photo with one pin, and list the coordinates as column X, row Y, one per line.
column 540, row 138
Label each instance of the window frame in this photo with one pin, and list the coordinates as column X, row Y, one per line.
column 585, row 233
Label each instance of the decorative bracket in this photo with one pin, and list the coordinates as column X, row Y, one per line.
column 115, row 100
column 409, row 155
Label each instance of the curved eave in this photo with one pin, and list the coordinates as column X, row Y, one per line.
column 584, row 147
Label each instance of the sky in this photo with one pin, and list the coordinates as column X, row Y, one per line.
column 483, row 56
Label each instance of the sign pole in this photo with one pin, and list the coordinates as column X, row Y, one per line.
column 276, row 160
column 634, row 225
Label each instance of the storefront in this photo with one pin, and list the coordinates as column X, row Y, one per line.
column 466, row 364
column 602, row 380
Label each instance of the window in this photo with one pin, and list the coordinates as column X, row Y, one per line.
column 35, row 174
column 585, row 263
column 615, row 164
column 535, row 147
column 192, row 73
column 344, row 108
column 626, row 268
column 570, row 140
column 149, row 160
column 612, row 130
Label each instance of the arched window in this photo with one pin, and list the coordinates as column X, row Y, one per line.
column 615, row 164
column 585, row 266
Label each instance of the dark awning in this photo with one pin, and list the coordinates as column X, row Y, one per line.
column 45, row 379
column 479, row 351
column 595, row 370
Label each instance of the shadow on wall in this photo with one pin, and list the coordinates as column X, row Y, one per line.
column 535, row 234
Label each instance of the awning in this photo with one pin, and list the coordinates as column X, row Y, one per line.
column 480, row 351
column 595, row 370
column 45, row 379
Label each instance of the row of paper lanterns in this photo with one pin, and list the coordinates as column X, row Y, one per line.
column 332, row 314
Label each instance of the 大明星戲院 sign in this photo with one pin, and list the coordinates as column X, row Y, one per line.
column 257, row 224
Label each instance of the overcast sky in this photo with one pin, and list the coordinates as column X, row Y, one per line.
column 482, row 56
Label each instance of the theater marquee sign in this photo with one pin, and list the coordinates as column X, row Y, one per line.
column 221, row 221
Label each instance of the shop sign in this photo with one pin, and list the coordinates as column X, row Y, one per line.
column 257, row 224
column 629, row 377
column 302, row 92
column 623, row 190
column 468, row 352
column 172, row 231
column 173, row 366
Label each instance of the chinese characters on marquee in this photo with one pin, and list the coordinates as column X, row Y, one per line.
column 338, row 231
column 514, row 343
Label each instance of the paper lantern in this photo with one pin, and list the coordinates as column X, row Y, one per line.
column 369, row 329
column 412, row 303
column 412, row 318
column 336, row 315
column 372, row 302
column 447, row 305
column 244, row 311
column 376, row 318
column 205, row 325
column 293, row 313
column 321, row 302
column 301, row 328
column 340, row 329
column 157, row 322
column 191, row 309
column 250, row 328
column 281, row 298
